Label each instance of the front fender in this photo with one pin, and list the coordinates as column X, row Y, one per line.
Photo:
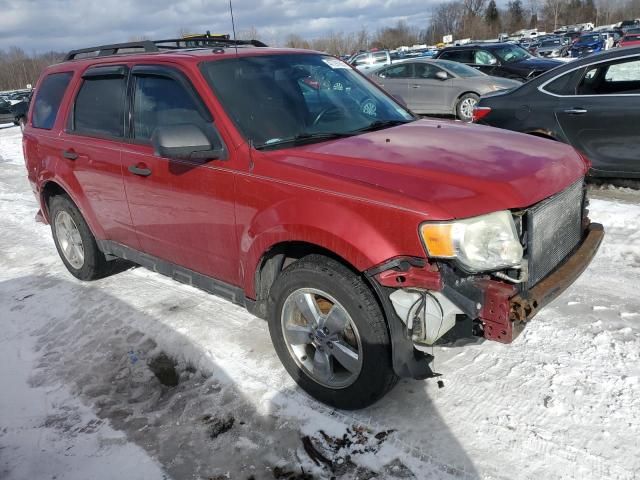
column 362, row 235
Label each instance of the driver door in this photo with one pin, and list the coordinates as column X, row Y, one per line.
column 183, row 211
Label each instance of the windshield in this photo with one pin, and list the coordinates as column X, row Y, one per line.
column 589, row 38
column 460, row 69
column 511, row 53
column 274, row 99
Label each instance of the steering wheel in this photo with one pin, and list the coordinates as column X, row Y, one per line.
column 324, row 112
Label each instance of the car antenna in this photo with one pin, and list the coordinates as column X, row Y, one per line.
column 233, row 27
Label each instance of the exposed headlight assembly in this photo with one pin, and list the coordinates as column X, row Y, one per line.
column 478, row 244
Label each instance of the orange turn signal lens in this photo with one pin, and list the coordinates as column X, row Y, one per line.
column 438, row 239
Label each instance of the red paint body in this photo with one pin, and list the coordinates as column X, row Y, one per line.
column 361, row 197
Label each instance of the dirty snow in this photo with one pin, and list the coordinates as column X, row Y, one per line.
column 136, row 376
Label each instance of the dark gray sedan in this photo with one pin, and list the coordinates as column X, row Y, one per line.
column 438, row 86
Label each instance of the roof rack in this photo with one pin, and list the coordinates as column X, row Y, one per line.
column 149, row 46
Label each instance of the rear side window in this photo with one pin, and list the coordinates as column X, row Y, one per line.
column 398, row 71
column 565, row 84
column 161, row 101
column 462, row 56
column 99, row 107
column 48, row 98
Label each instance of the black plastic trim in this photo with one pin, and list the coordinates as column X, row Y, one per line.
column 406, row 360
column 183, row 275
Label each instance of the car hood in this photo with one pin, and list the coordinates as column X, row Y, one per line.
column 442, row 169
column 539, row 63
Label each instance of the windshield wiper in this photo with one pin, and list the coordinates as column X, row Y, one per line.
column 380, row 124
column 303, row 138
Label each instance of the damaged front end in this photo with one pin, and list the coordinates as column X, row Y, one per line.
column 427, row 298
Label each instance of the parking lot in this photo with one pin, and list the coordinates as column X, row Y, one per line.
column 137, row 371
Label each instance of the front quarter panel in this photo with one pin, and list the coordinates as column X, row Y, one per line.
column 271, row 211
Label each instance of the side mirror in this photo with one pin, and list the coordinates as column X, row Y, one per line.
column 442, row 76
column 186, row 142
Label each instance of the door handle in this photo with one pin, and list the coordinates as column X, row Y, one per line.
column 576, row 111
column 70, row 154
column 415, row 86
column 140, row 170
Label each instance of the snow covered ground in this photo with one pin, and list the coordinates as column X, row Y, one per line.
column 136, row 376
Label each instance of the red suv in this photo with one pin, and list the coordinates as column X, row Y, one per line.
column 286, row 182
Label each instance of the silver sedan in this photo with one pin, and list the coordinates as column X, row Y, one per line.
column 438, row 86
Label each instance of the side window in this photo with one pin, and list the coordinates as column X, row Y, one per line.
column 462, row 56
column 613, row 78
column 565, row 84
column 379, row 57
column 48, row 98
column 481, row 57
column 99, row 107
column 161, row 101
column 399, row 71
column 361, row 60
column 624, row 72
column 427, row 71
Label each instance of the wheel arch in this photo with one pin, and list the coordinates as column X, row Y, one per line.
column 53, row 187
column 456, row 100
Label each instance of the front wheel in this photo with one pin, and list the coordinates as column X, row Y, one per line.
column 465, row 106
column 330, row 334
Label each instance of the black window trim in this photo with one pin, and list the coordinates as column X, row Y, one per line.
column 98, row 71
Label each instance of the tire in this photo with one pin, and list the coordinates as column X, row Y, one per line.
column 464, row 107
column 335, row 288
column 93, row 264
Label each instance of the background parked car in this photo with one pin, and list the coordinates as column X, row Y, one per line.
column 438, row 86
column 630, row 40
column 587, row 44
column 553, row 47
column 367, row 60
column 500, row 59
column 6, row 112
column 592, row 103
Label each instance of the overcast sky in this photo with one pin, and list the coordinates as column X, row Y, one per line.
column 44, row 25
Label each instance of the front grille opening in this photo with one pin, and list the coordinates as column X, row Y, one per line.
column 553, row 231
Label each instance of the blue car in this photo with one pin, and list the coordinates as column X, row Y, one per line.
column 586, row 44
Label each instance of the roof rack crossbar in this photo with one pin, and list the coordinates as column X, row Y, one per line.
column 193, row 41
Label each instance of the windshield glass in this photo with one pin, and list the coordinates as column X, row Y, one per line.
column 594, row 37
column 511, row 53
column 460, row 69
column 274, row 99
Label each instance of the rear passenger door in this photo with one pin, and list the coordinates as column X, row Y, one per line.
column 182, row 210
column 602, row 119
column 90, row 151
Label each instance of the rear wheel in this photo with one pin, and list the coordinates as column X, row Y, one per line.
column 465, row 106
column 74, row 241
column 330, row 333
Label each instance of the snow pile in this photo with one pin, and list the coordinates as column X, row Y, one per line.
column 135, row 373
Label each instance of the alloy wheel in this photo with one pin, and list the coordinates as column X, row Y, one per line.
column 322, row 338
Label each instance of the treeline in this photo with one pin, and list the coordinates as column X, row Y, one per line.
column 19, row 69
column 477, row 19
